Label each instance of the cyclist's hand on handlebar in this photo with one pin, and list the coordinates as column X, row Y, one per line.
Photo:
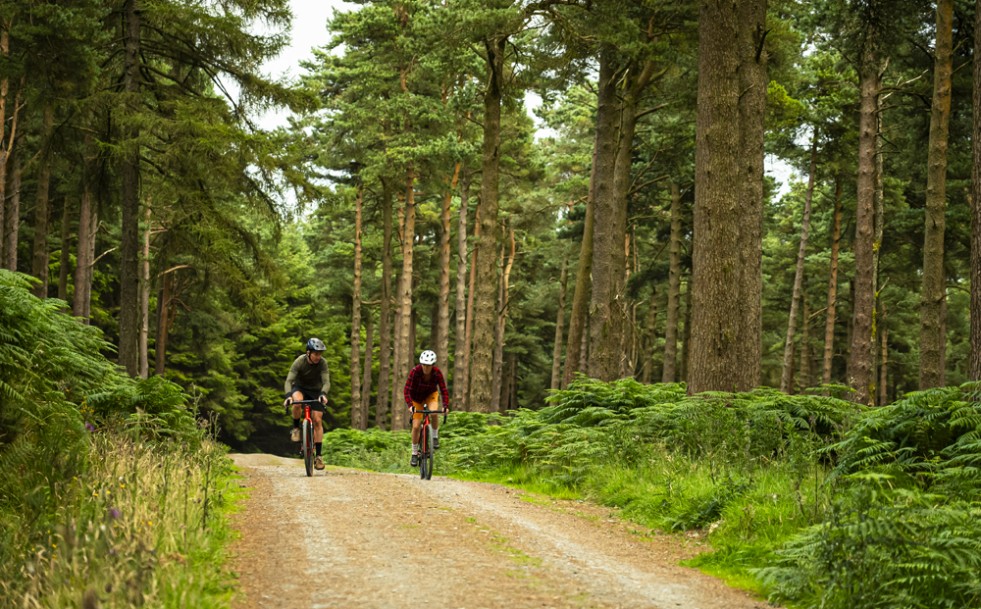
column 288, row 402
column 323, row 399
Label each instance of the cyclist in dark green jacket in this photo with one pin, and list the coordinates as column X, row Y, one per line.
column 309, row 379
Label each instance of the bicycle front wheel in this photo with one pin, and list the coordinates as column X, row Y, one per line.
column 424, row 453
column 307, row 446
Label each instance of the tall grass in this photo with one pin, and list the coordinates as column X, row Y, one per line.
column 143, row 525
column 111, row 493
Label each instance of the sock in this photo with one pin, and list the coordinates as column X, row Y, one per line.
column 435, row 432
column 317, row 446
column 415, row 449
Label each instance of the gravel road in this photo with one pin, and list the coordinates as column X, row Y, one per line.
column 352, row 539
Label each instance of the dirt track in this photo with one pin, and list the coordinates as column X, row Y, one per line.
column 353, row 539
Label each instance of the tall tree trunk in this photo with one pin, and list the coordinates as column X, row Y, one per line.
column 64, row 255
column 85, row 259
column 933, row 296
column 369, row 349
column 507, row 263
column 831, row 312
column 974, row 360
column 786, row 378
column 12, row 230
column 42, row 209
column 471, row 290
column 884, row 359
column 129, row 275
column 860, row 352
column 600, row 175
column 442, row 344
column 669, row 371
column 878, row 232
column 607, row 311
column 144, row 336
column 726, row 334
column 382, row 408
column 359, row 414
column 164, row 320
column 806, row 377
column 461, row 360
column 403, row 330
column 482, row 381
column 4, row 147
column 556, row 382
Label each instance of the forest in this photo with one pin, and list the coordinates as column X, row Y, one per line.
column 569, row 202
column 625, row 230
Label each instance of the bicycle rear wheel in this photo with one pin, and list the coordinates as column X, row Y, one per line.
column 307, row 446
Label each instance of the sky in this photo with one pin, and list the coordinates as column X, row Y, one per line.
column 309, row 31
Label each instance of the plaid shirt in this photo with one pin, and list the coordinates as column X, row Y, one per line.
column 417, row 388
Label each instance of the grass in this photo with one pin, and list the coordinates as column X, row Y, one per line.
column 143, row 525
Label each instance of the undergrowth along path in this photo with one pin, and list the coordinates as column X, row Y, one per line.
column 350, row 538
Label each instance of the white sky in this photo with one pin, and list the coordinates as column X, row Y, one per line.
column 309, row 31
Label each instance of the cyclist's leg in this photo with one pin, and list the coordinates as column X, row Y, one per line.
column 297, row 413
column 416, row 424
column 317, row 415
column 432, row 403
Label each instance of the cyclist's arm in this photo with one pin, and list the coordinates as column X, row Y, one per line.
column 325, row 380
column 406, row 393
column 291, row 377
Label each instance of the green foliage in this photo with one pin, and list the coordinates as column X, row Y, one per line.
column 109, row 488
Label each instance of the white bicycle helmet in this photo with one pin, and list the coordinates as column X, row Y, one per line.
column 427, row 357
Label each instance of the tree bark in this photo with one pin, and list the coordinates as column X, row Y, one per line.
column 787, row 377
column 359, row 414
column 933, row 295
column 482, row 381
column 974, row 359
column 144, row 336
column 129, row 275
column 12, row 230
column 601, row 173
column 556, row 382
column 884, row 360
column 42, row 209
column 382, row 408
column 831, row 314
column 85, row 259
column 442, row 344
column 669, row 371
column 461, row 360
column 64, row 255
column 860, row 352
column 369, row 349
column 507, row 263
column 403, row 354
column 726, row 334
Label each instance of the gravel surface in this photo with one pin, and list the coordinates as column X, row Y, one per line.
column 347, row 538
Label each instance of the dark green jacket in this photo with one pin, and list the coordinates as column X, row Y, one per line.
column 306, row 375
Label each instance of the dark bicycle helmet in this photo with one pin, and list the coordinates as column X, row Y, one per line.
column 315, row 344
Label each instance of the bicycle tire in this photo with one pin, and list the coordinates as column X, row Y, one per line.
column 430, row 456
column 424, row 453
column 307, row 442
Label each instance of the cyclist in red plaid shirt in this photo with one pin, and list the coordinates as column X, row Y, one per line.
column 422, row 388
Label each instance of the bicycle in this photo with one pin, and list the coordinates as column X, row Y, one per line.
column 306, row 434
column 426, row 451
